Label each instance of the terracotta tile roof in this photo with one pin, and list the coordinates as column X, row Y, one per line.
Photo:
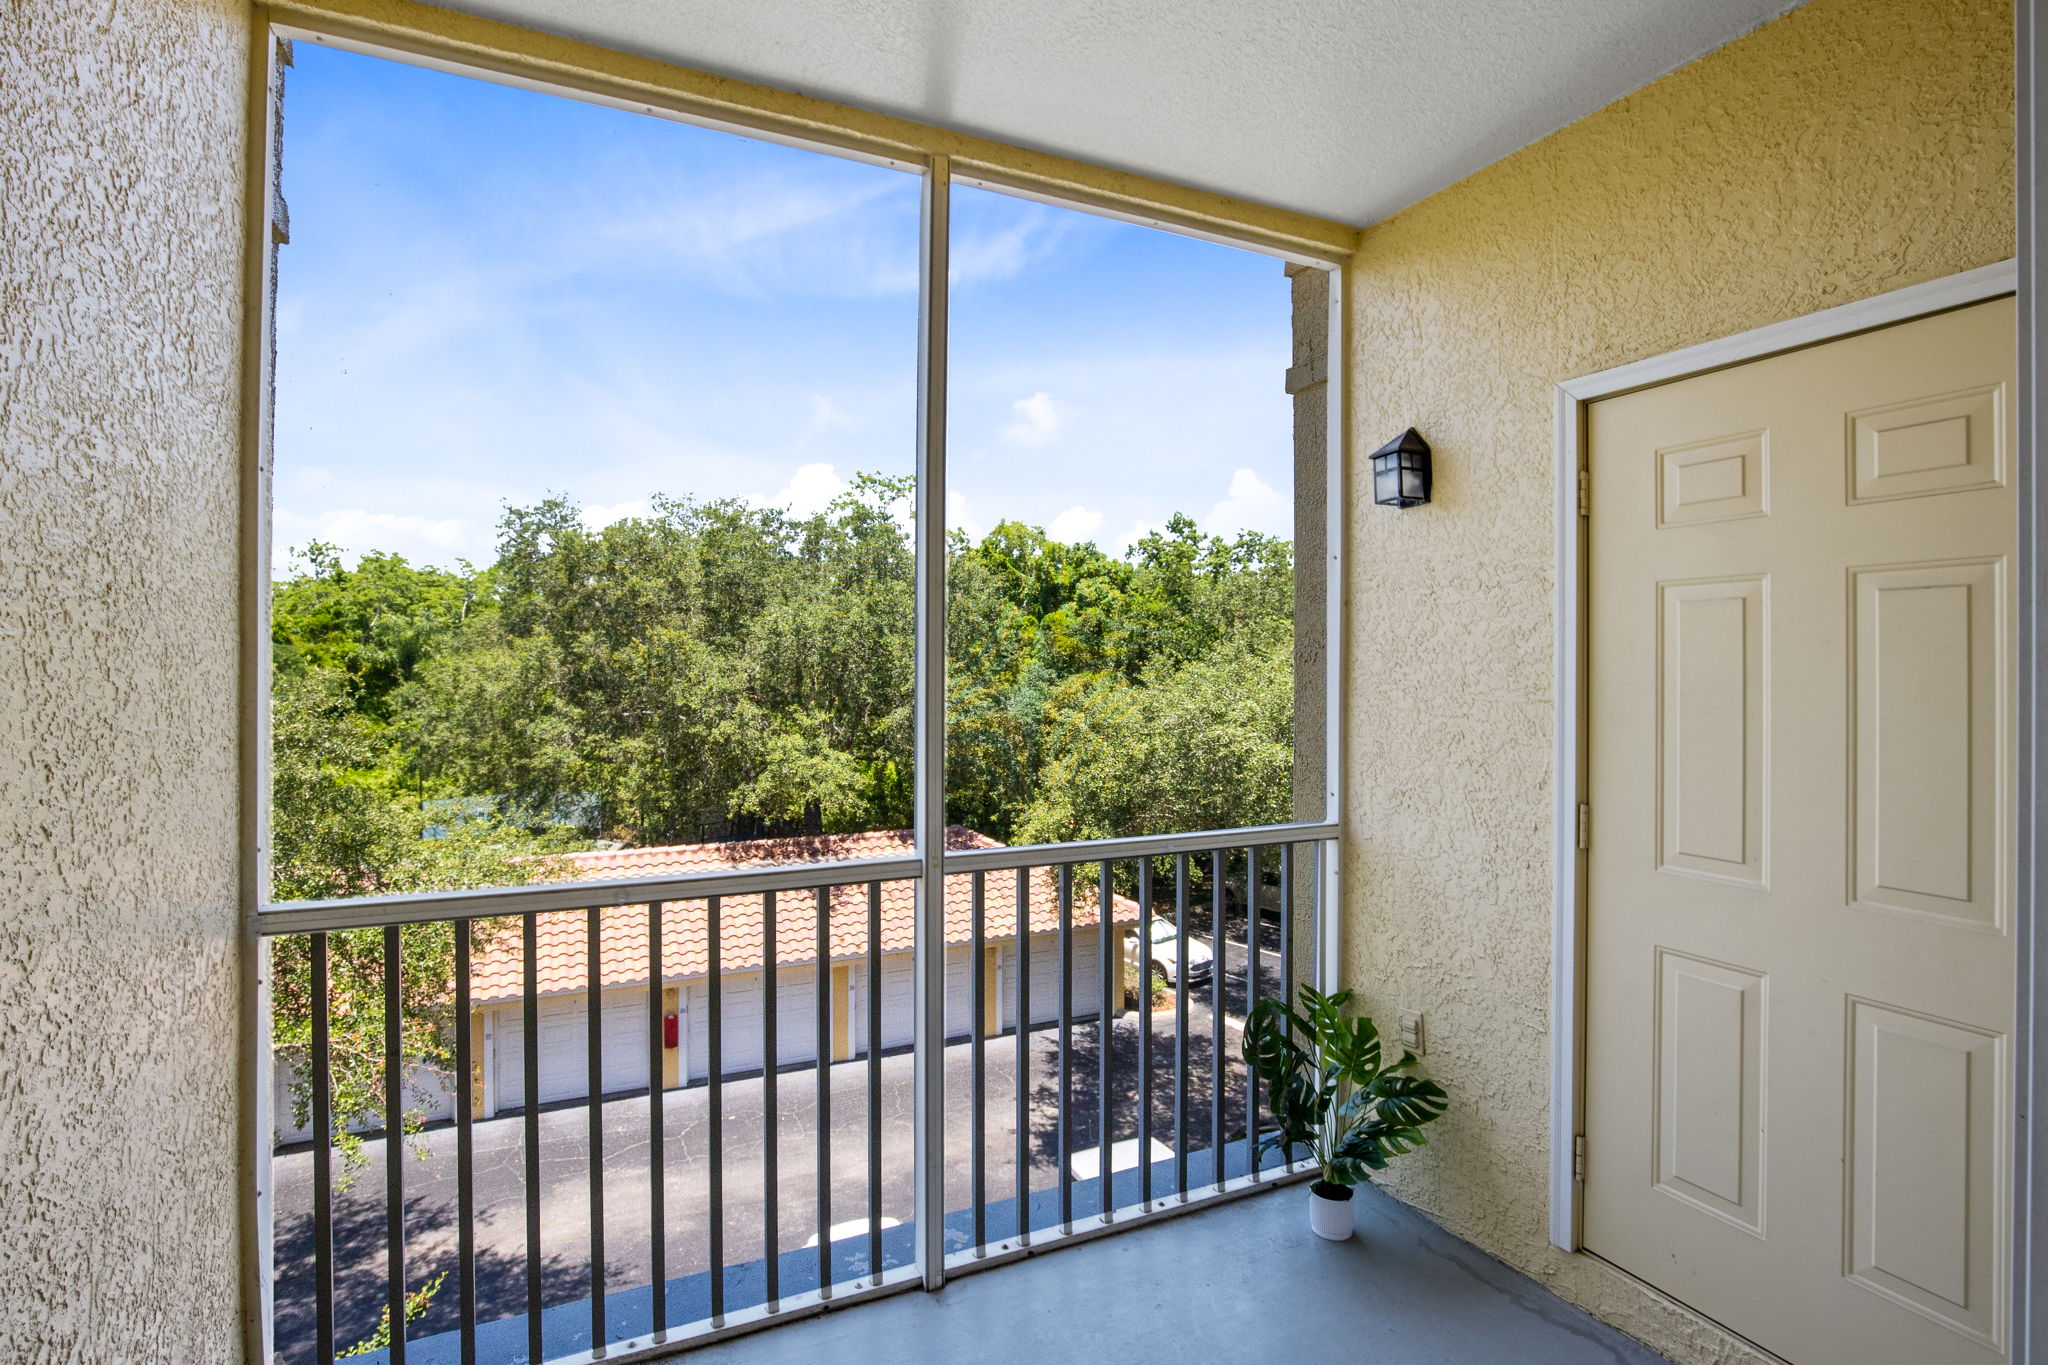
column 562, row 936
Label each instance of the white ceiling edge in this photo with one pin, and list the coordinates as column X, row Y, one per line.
column 1349, row 111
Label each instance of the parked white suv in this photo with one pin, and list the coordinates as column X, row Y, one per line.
column 1163, row 939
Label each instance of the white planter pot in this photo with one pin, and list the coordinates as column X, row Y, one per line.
column 1330, row 1219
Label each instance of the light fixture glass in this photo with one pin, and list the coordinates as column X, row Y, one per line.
column 1400, row 471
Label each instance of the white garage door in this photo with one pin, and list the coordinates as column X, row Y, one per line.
column 739, row 1021
column 564, row 1062
column 739, row 1024
column 899, row 1021
column 796, row 1015
column 960, row 992
column 1045, row 979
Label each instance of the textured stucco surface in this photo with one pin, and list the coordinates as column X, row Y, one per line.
column 120, row 170
column 1851, row 147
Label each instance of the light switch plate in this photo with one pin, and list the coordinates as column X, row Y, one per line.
column 1411, row 1031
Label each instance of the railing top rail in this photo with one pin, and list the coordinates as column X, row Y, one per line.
column 1140, row 846
column 368, row 912
column 305, row 917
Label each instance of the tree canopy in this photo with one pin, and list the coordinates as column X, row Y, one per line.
column 718, row 669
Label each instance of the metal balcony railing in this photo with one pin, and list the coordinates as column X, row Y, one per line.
column 1106, row 1109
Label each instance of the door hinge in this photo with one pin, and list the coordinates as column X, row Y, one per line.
column 1579, row 1157
column 1585, row 492
column 1585, row 825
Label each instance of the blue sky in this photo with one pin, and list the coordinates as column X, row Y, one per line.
column 492, row 295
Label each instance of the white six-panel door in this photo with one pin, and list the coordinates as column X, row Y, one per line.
column 1799, row 954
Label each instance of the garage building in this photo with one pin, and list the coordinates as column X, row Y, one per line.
column 740, row 960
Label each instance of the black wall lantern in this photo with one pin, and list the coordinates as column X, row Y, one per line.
column 1400, row 471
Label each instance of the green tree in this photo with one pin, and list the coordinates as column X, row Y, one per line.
column 1206, row 745
column 336, row 831
column 710, row 669
column 718, row 669
column 375, row 623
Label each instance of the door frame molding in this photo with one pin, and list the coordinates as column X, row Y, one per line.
column 2030, row 1062
column 1568, row 755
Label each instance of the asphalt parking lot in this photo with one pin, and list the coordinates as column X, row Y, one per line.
column 499, row 1163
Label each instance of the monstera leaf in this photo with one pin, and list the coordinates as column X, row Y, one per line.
column 1329, row 1087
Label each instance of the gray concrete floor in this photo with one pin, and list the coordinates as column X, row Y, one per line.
column 1245, row 1281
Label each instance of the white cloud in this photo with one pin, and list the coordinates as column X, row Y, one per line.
column 960, row 515
column 809, row 490
column 422, row 540
column 826, row 416
column 1252, row 504
column 597, row 516
column 1040, row 419
column 1075, row 525
column 766, row 233
column 1033, row 234
column 1139, row 530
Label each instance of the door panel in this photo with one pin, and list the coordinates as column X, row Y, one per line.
column 1710, row 1026
column 1920, row 1222
column 1927, row 726
column 1710, row 756
column 1799, row 968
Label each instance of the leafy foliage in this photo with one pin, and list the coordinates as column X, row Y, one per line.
column 336, row 830
column 1330, row 1089
column 716, row 670
column 416, row 1305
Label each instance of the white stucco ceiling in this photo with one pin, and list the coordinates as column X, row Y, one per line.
column 1346, row 108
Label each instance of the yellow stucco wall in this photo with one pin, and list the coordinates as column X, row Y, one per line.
column 1853, row 146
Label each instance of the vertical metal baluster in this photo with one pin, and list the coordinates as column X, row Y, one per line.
column 1061, row 1142
column 771, row 1177
column 657, row 1136
column 1287, row 946
column 593, row 1104
column 1145, row 1032
column 1105, row 1034
column 714, row 1074
column 1251, row 1002
column 1180, row 1026
column 978, row 1119
column 1217, row 972
column 323, row 1160
column 874, row 1023
column 394, row 1145
column 1320, row 851
column 530, row 1077
column 465, row 1152
column 824, row 1063
column 1023, row 1096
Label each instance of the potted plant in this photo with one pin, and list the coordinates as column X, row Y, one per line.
column 1328, row 1091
